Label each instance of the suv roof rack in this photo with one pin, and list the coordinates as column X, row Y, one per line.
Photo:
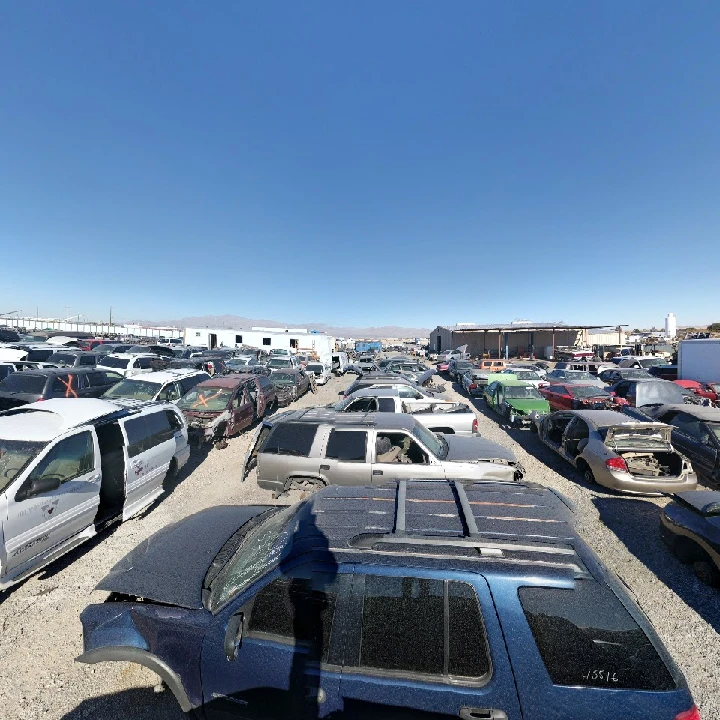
column 491, row 543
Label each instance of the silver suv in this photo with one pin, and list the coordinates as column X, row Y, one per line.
column 308, row 449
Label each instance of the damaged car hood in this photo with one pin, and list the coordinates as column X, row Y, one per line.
column 476, row 449
column 170, row 566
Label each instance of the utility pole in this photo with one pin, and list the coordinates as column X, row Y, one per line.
column 111, row 314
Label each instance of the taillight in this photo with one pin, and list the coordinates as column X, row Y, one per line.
column 473, row 386
column 474, row 425
column 616, row 464
column 692, row 714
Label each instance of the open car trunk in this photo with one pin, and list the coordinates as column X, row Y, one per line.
column 644, row 464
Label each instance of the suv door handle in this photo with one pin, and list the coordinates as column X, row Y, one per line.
column 470, row 713
column 377, row 472
column 324, row 467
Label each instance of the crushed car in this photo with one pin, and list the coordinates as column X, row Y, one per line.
column 290, row 384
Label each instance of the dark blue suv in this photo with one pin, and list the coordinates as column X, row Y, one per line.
column 416, row 600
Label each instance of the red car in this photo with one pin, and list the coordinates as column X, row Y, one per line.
column 707, row 391
column 577, row 397
column 443, row 366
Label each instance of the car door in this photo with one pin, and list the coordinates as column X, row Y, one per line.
column 150, row 449
column 276, row 650
column 562, row 398
column 691, row 438
column 242, row 411
column 389, row 466
column 344, row 459
column 423, row 646
column 57, row 499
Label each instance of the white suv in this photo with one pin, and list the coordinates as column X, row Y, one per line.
column 168, row 385
column 129, row 365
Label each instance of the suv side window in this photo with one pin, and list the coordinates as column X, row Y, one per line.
column 87, row 360
column 69, row 459
column 65, row 386
column 291, row 439
column 586, row 637
column 690, row 426
column 418, row 625
column 298, row 611
column 405, row 391
column 144, row 363
column 97, row 379
column 347, row 445
column 386, row 404
column 363, row 404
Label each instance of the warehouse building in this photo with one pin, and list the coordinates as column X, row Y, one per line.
column 520, row 338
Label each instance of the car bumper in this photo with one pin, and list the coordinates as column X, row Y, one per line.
column 625, row 482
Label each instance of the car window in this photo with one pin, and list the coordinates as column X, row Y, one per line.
column 405, row 391
column 147, row 431
column 364, row 404
column 170, row 392
column 173, row 420
column 690, row 426
column 87, row 360
column 69, row 459
column 297, row 610
column 411, row 624
column 20, row 382
column 65, row 386
column 188, row 383
column 586, row 637
column 347, row 445
column 386, row 404
column 145, row 363
column 291, row 439
column 97, row 379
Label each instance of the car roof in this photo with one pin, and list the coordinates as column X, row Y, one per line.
column 701, row 412
column 51, row 372
column 130, row 356
column 165, row 376
column 457, row 525
column 513, row 383
column 43, row 421
column 386, row 421
column 226, row 381
column 609, row 418
column 376, row 392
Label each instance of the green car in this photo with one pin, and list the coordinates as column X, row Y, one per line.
column 518, row 401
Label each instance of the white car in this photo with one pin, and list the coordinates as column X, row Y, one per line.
column 283, row 362
column 129, row 365
column 168, row 385
column 527, row 376
column 321, row 371
column 71, row 467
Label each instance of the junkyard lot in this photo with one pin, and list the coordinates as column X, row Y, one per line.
column 41, row 633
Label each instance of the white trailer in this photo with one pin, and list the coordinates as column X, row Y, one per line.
column 699, row 360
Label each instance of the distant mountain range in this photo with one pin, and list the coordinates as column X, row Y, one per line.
column 233, row 322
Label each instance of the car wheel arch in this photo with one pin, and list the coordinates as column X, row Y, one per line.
column 146, row 659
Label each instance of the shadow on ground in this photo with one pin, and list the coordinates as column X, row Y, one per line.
column 636, row 523
column 136, row 703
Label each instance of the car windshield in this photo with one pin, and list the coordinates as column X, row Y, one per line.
column 261, row 549
column 526, row 375
column 581, row 391
column 279, row 363
column 283, row 378
column 434, row 443
column 114, row 362
column 521, row 392
column 206, row 399
column 635, row 373
column 578, row 375
column 650, row 362
column 315, row 367
column 714, row 387
column 14, row 457
column 138, row 389
column 238, row 362
column 66, row 358
column 20, row 382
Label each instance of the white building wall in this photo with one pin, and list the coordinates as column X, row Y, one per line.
column 93, row 329
column 322, row 344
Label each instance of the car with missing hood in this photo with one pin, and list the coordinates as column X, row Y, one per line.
column 517, row 401
column 401, row 600
column 578, row 397
column 618, row 452
column 307, row 449
column 290, row 384
column 70, row 468
column 690, row 527
column 219, row 408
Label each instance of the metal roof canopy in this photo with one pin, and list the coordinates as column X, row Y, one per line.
column 526, row 327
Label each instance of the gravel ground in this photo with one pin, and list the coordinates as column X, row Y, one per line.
column 41, row 632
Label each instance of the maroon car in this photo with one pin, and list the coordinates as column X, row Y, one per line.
column 577, row 397
column 224, row 406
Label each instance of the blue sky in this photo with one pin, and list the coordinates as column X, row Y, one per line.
column 410, row 163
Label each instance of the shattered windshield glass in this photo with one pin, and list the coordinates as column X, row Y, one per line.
column 14, row 457
column 212, row 399
column 261, row 549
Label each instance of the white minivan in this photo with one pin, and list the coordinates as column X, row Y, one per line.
column 71, row 467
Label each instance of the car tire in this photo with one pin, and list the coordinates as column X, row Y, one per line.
column 586, row 472
column 706, row 572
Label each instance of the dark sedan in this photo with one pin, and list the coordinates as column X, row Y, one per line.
column 614, row 375
column 21, row 388
column 690, row 527
column 290, row 384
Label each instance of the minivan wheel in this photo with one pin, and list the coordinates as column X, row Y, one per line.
column 707, row 573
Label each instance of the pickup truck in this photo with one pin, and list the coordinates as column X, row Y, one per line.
column 443, row 416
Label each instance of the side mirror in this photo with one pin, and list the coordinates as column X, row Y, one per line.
column 233, row 636
column 38, row 486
